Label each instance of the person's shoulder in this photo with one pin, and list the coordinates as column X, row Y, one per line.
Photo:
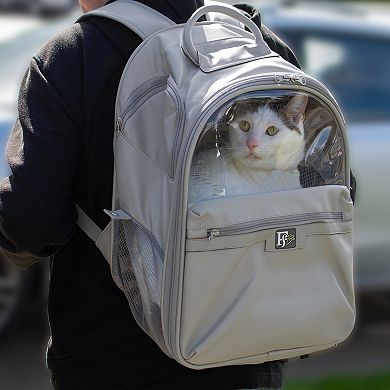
column 83, row 39
column 64, row 45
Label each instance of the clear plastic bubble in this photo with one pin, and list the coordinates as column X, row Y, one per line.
column 267, row 142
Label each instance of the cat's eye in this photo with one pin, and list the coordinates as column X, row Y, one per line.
column 272, row 130
column 245, row 126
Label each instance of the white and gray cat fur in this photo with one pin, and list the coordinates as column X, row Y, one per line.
column 262, row 147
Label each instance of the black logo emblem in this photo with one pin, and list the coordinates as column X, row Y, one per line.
column 285, row 239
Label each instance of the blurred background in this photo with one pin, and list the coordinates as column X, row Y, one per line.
column 346, row 45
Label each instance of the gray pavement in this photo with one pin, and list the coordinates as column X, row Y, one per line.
column 367, row 352
column 22, row 355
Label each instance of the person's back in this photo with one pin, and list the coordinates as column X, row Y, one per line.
column 60, row 153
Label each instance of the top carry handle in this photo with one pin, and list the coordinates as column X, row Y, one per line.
column 245, row 47
column 188, row 44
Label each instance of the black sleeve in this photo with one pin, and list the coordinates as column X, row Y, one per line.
column 37, row 214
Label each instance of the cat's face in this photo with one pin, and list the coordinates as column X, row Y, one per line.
column 261, row 137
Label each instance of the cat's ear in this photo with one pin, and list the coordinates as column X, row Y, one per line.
column 295, row 109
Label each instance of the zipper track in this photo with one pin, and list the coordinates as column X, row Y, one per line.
column 268, row 223
column 291, row 81
column 143, row 93
column 283, row 81
column 179, row 126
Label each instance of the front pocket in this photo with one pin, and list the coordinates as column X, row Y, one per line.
column 152, row 117
column 245, row 297
column 282, row 242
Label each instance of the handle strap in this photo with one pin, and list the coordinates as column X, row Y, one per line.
column 87, row 225
column 188, row 44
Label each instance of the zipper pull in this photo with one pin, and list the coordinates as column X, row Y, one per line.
column 212, row 233
column 118, row 125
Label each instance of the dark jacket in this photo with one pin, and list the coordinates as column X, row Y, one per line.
column 60, row 152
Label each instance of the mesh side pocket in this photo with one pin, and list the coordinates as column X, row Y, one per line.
column 137, row 268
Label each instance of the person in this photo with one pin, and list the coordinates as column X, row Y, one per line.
column 60, row 153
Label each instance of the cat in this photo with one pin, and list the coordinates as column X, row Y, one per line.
column 258, row 149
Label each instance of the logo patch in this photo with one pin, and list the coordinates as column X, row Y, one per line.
column 285, row 239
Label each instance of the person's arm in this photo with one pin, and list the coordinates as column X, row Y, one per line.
column 37, row 213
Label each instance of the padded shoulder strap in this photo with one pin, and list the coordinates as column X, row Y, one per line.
column 141, row 19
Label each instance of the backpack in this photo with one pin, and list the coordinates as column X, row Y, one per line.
column 231, row 220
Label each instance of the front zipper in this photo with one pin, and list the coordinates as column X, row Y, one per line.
column 291, row 79
column 206, row 107
column 269, row 223
column 139, row 97
column 179, row 124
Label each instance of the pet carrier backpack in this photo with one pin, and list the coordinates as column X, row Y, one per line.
column 231, row 220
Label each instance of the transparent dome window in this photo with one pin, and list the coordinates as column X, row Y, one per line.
column 267, row 142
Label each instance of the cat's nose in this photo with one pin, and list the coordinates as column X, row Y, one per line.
column 251, row 145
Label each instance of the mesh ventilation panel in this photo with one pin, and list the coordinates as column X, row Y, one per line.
column 137, row 268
